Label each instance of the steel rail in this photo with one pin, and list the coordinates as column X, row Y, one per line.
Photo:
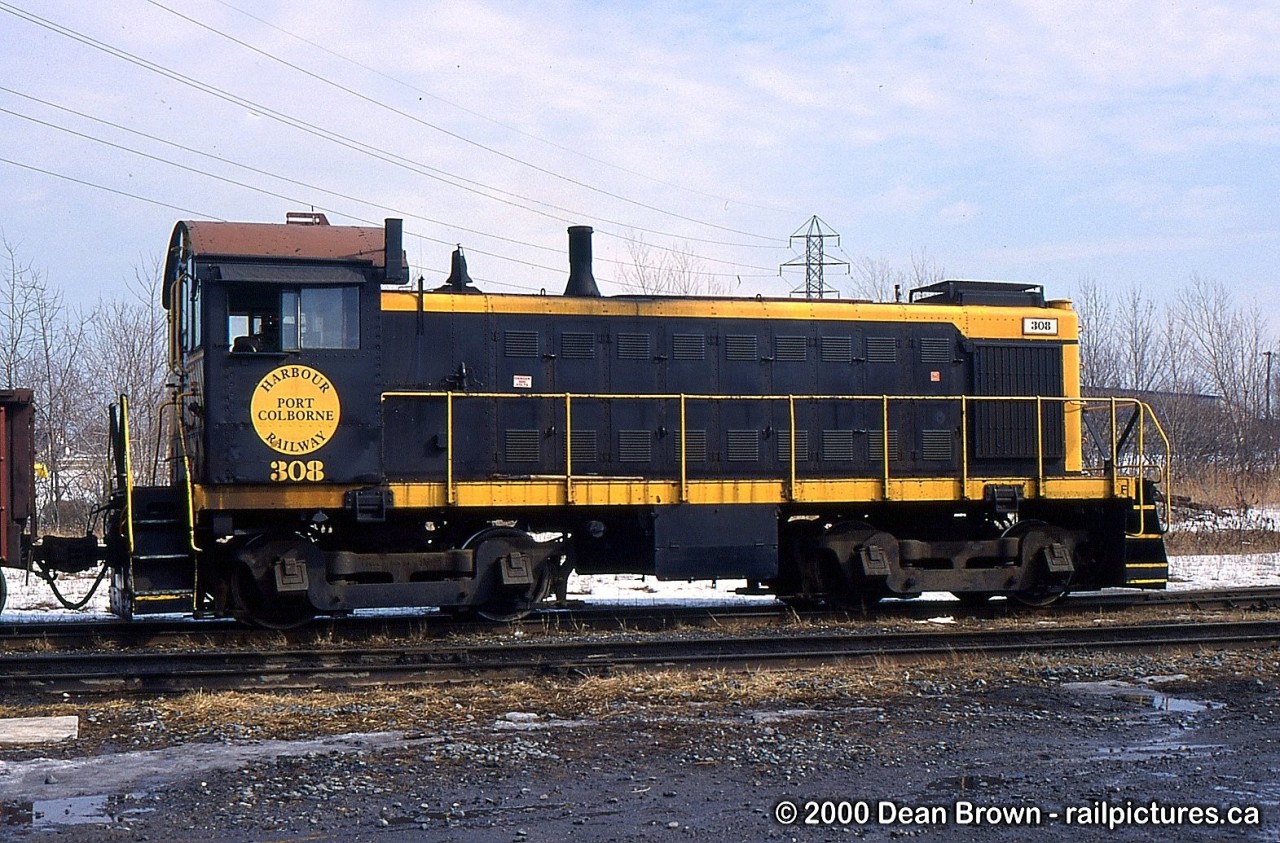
column 168, row 631
column 335, row 667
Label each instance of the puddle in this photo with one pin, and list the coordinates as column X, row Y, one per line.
column 534, row 723
column 1164, row 702
column 1143, row 697
column 58, row 780
column 47, row 813
column 1159, row 749
column 1265, row 794
column 74, row 810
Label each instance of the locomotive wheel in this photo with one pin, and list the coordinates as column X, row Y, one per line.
column 254, row 601
column 4, row 591
column 843, row 590
column 255, row 609
column 1043, row 592
column 512, row 603
column 1039, row 598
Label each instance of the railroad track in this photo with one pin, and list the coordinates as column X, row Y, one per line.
column 350, row 667
column 169, row 632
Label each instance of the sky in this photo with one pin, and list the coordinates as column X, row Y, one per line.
column 1127, row 143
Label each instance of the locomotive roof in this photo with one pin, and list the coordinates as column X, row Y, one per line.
column 267, row 241
column 272, row 240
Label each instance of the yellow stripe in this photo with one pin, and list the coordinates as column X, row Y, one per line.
column 1146, row 582
column 1146, row 565
column 973, row 321
column 588, row 490
column 161, row 595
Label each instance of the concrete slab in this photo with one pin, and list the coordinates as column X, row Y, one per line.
column 38, row 729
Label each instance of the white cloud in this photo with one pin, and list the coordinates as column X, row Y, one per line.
column 1120, row 127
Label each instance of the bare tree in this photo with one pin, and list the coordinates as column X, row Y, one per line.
column 1099, row 357
column 875, row 279
column 1145, row 366
column 1225, row 344
column 127, row 354
column 18, row 291
column 924, row 269
column 64, row 431
column 673, row 271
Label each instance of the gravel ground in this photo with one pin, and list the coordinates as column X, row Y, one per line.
column 680, row 755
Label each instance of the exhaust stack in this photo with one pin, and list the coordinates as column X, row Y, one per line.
column 581, row 281
column 395, row 269
column 458, row 281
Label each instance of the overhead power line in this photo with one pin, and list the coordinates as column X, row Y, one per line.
column 258, row 171
column 125, row 193
column 516, row 129
column 452, row 134
column 377, row 153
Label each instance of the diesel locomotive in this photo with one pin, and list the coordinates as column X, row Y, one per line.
column 343, row 439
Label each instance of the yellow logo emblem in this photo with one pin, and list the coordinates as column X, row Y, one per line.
column 295, row 409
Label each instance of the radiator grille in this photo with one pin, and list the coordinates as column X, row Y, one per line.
column 1007, row 429
column 741, row 347
column 520, row 343
column 882, row 350
column 523, row 446
column 578, row 346
column 744, row 446
column 635, row 446
column 791, row 349
column 689, row 347
column 634, row 347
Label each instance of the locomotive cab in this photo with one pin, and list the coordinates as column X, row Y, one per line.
column 274, row 347
column 297, row 336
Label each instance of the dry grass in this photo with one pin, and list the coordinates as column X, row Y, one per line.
column 200, row 716
column 1222, row 491
column 1217, row 512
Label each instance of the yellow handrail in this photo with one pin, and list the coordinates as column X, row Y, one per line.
column 791, row 435
column 128, row 473
column 884, row 440
column 1039, row 445
column 450, row 495
column 966, row 403
column 568, row 450
column 684, row 455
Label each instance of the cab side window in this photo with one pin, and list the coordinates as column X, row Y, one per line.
column 253, row 319
column 321, row 317
column 293, row 318
column 189, row 310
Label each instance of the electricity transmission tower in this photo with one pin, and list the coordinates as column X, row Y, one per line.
column 815, row 235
